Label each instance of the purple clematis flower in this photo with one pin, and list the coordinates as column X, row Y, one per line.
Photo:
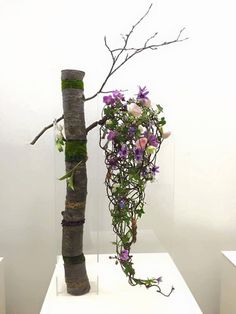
column 118, row 95
column 152, row 140
column 124, row 256
column 138, row 154
column 108, row 100
column 155, row 169
column 111, row 135
column 159, row 280
column 142, row 94
column 123, row 152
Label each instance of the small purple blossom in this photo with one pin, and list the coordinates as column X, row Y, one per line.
column 142, row 94
column 122, row 203
column 159, row 280
column 124, row 256
column 152, row 140
column 112, row 162
column 155, row 169
column 108, row 100
column 111, row 135
column 138, row 154
column 132, row 131
column 118, row 95
column 123, row 152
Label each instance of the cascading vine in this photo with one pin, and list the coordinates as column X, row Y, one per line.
column 131, row 138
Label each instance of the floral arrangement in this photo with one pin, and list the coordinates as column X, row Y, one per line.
column 133, row 132
column 131, row 138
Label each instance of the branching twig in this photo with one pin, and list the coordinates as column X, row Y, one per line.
column 119, row 57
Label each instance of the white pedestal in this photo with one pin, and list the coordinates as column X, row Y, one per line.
column 111, row 293
column 2, row 288
column 228, row 283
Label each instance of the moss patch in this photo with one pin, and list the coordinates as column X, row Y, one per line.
column 78, row 84
column 76, row 150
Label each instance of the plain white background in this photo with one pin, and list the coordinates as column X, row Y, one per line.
column 193, row 80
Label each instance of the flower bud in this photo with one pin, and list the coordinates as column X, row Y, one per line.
column 108, row 122
column 135, row 110
column 150, row 149
column 166, row 134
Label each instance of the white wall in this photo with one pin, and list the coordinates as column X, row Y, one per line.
column 194, row 80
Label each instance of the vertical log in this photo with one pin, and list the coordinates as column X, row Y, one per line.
column 74, row 213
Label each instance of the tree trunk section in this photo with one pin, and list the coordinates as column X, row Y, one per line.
column 74, row 214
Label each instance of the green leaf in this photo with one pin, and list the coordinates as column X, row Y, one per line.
column 70, row 182
column 67, row 175
column 59, row 144
column 71, row 172
column 159, row 108
column 162, row 121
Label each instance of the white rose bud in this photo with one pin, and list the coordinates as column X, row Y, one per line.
column 141, row 128
column 108, row 122
column 115, row 187
column 165, row 135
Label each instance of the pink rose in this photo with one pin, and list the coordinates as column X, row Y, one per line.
column 146, row 102
column 135, row 110
column 141, row 143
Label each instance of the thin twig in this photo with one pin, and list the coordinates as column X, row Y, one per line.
column 45, row 129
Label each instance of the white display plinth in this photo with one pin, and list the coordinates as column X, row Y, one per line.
column 228, row 283
column 2, row 288
column 111, row 293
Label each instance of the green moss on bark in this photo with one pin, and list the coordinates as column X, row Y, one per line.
column 76, row 150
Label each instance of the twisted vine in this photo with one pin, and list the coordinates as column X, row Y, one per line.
column 131, row 138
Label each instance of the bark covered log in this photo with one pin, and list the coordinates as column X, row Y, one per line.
column 74, row 213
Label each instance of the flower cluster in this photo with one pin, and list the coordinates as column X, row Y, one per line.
column 131, row 138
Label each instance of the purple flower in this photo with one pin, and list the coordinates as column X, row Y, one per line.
column 118, row 95
column 152, row 140
column 138, row 154
column 154, row 170
column 123, row 152
column 132, row 131
column 112, row 162
column 108, row 100
column 122, row 203
column 124, row 256
column 159, row 280
column 111, row 135
column 142, row 94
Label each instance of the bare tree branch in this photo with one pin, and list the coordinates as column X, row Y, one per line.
column 119, row 57
column 45, row 129
column 118, row 53
column 94, row 124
